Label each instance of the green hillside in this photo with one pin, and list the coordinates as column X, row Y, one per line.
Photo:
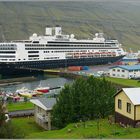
column 120, row 20
column 97, row 129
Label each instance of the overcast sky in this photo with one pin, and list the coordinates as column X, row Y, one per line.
column 78, row 0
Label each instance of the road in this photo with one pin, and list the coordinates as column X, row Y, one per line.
column 21, row 113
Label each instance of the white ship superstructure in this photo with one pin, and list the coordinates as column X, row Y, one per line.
column 57, row 50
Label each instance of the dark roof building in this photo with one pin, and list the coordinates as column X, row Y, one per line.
column 43, row 108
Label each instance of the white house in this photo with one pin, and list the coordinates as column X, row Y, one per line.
column 42, row 111
column 125, row 71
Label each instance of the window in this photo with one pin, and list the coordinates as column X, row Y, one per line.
column 113, row 74
column 33, row 55
column 119, row 104
column 123, row 70
column 35, row 41
column 118, row 70
column 113, row 69
column 7, row 52
column 33, row 51
column 7, row 56
column 128, row 107
column 118, row 75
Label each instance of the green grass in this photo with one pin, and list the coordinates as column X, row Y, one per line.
column 27, row 125
column 124, row 82
column 19, row 106
column 91, row 130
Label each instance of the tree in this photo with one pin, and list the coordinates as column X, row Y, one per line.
column 7, row 129
column 62, row 108
column 85, row 99
column 2, row 115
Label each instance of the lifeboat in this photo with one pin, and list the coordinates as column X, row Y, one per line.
column 43, row 89
column 26, row 94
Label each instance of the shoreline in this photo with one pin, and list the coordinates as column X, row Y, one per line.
column 14, row 81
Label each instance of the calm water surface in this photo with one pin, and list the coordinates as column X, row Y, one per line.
column 49, row 82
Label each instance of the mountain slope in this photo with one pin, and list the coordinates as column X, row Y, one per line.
column 120, row 20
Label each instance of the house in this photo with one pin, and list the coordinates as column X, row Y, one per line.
column 127, row 106
column 42, row 111
column 125, row 71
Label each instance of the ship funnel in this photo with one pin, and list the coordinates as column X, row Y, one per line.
column 58, row 30
column 48, row 31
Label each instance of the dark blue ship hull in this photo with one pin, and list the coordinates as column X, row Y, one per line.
column 33, row 66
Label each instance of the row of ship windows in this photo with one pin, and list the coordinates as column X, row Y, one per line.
column 7, row 48
column 88, row 55
column 35, row 45
column 58, row 51
column 33, row 59
column 52, row 45
column 67, row 51
column 12, row 56
column 8, row 45
column 7, row 59
column 13, row 52
column 62, row 48
column 38, row 58
column 64, row 51
column 48, row 58
column 33, row 51
column 51, row 58
column 85, row 56
column 107, row 42
column 33, row 55
column 7, row 56
column 103, row 50
column 81, row 45
column 7, row 52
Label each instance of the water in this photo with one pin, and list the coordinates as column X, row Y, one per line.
column 49, row 82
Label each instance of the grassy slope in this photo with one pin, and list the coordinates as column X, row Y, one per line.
column 124, row 82
column 27, row 125
column 90, row 131
column 20, row 106
column 118, row 20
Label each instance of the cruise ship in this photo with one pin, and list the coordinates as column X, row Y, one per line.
column 55, row 49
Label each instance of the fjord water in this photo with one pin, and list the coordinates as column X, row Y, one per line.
column 47, row 82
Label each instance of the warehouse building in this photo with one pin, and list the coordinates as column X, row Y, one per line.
column 125, row 71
